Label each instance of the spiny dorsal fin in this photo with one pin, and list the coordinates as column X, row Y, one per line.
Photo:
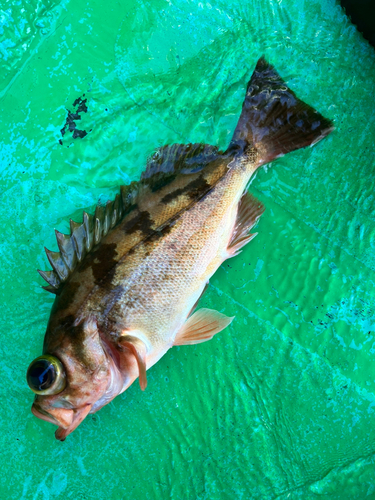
column 167, row 161
column 83, row 237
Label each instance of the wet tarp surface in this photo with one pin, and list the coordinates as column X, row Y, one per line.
column 282, row 403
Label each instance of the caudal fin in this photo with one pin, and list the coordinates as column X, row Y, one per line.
column 273, row 119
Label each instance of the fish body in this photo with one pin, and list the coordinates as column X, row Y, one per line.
column 127, row 280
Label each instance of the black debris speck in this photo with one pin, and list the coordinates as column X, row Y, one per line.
column 73, row 116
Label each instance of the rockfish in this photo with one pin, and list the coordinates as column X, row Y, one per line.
column 128, row 278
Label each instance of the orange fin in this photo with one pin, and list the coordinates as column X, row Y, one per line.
column 249, row 211
column 138, row 349
column 202, row 326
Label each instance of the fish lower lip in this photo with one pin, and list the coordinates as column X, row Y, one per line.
column 57, row 416
column 43, row 415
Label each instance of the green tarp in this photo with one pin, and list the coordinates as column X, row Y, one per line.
column 281, row 405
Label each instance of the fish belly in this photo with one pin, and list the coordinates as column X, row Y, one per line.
column 162, row 281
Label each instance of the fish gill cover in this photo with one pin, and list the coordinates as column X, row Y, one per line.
column 281, row 404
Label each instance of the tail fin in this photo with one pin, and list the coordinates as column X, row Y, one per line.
column 273, row 119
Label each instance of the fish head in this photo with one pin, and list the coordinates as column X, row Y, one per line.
column 75, row 376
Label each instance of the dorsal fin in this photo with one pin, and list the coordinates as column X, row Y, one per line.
column 178, row 158
column 162, row 167
column 83, row 237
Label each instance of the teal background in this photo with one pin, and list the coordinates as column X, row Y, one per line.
column 281, row 404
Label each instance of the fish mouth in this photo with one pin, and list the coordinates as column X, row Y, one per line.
column 57, row 416
column 67, row 420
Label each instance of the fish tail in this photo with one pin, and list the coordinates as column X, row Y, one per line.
column 273, row 120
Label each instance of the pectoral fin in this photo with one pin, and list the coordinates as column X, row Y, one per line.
column 202, row 326
column 138, row 349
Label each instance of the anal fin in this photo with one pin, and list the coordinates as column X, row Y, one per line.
column 249, row 211
column 202, row 326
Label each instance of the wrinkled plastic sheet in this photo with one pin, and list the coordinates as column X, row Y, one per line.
column 281, row 403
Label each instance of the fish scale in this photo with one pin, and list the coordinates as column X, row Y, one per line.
column 127, row 280
column 194, row 248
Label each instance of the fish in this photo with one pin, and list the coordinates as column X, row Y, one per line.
column 128, row 278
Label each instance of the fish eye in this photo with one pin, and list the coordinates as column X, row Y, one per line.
column 46, row 375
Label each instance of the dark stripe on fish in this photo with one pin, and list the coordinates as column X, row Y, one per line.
column 101, row 261
column 67, row 295
column 162, row 181
column 196, row 188
column 141, row 222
